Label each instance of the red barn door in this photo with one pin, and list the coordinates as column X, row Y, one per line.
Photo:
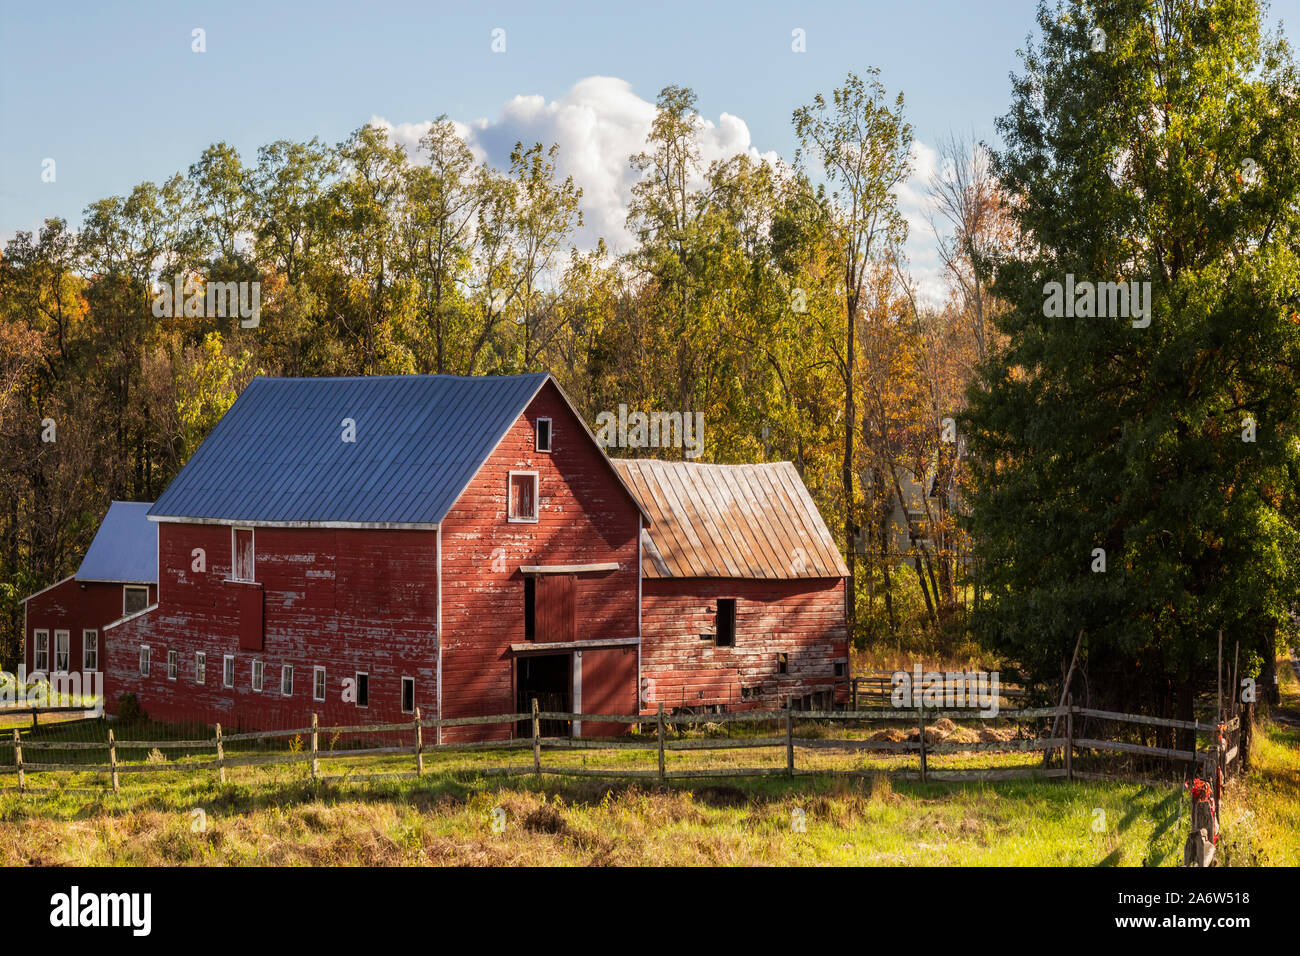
column 556, row 608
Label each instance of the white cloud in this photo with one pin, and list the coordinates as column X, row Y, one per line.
column 601, row 122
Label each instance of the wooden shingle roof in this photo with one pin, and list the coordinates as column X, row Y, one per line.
column 729, row 521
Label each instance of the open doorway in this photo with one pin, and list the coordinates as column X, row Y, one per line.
column 549, row 679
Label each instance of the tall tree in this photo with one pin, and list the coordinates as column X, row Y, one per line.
column 863, row 148
column 1135, row 469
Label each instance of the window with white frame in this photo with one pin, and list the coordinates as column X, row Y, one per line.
column 318, row 683
column 542, row 430
column 90, row 649
column 134, row 599
column 200, row 667
column 173, row 664
column 242, row 557
column 286, row 680
column 41, row 651
column 228, row 671
column 257, row 675
column 62, row 646
column 144, row 660
column 523, row 496
column 408, row 695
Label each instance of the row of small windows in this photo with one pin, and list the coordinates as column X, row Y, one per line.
column 62, row 646
column 258, row 677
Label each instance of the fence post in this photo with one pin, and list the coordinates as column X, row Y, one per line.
column 18, row 761
column 659, row 725
column 920, row 713
column 855, row 694
column 112, row 758
column 1069, row 737
column 789, row 735
column 221, row 757
column 419, row 745
column 315, row 745
column 537, row 743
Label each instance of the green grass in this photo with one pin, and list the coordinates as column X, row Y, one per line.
column 448, row 820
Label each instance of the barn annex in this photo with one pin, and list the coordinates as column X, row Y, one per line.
column 63, row 624
column 362, row 547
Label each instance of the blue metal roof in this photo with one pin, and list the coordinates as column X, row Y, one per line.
column 278, row 455
column 125, row 546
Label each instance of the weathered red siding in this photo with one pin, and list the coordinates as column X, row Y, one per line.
column 347, row 599
column 802, row 618
column 585, row 517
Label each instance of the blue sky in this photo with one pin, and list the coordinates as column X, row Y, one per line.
column 114, row 93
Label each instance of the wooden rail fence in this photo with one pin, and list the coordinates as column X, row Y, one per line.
column 1223, row 749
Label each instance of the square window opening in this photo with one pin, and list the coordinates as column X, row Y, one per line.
column 134, row 599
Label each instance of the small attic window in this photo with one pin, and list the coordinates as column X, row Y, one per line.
column 543, row 432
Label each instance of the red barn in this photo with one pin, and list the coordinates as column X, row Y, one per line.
column 743, row 591
column 363, row 547
column 63, row 624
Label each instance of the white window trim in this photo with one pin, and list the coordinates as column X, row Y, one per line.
column 550, row 436
column 84, row 632
column 134, row 587
column 67, row 651
column 173, row 664
column 537, row 497
column 37, row 635
column 146, row 660
column 257, row 676
column 366, row 675
column 200, row 667
column 286, row 670
column 315, row 673
column 252, row 537
column 228, row 659
column 402, row 701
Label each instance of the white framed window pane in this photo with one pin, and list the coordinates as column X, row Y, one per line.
column 89, row 650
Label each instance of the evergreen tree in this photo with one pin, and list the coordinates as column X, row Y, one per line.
column 1137, row 481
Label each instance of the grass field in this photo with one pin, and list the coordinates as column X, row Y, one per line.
column 457, row 815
